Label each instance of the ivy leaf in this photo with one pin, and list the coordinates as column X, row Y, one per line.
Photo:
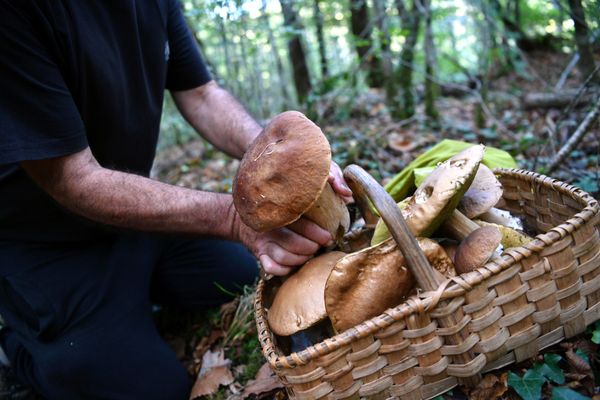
column 529, row 387
column 581, row 354
column 564, row 393
column 550, row 368
column 596, row 336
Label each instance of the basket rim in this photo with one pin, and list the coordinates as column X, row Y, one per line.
column 449, row 289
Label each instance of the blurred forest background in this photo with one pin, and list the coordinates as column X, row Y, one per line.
column 385, row 80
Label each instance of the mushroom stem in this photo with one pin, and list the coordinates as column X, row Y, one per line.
column 458, row 225
column 330, row 213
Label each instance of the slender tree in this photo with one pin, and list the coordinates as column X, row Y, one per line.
column 586, row 57
column 318, row 15
column 399, row 88
column 296, row 50
column 384, row 37
column 431, row 87
column 281, row 81
column 362, row 30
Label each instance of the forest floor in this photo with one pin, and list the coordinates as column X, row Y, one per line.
column 220, row 346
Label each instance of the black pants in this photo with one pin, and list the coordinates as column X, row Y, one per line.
column 79, row 315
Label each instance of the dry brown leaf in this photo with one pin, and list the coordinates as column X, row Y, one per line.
column 227, row 313
column 578, row 364
column 214, row 373
column 206, row 342
column 265, row 382
column 491, row 387
column 402, row 143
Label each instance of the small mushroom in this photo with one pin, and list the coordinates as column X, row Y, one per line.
column 299, row 302
column 477, row 249
column 366, row 283
column 283, row 176
column 502, row 217
column 482, row 195
column 438, row 195
column 510, row 237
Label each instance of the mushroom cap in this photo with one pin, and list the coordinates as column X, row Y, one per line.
column 364, row 284
column 299, row 302
column 483, row 194
column 438, row 195
column 510, row 237
column 477, row 249
column 283, row 172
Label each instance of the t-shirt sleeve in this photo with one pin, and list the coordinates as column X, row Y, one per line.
column 186, row 68
column 38, row 117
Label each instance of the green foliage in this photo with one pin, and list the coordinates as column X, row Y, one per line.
column 247, row 353
column 529, row 387
column 596, row 333
column 564, row 393
column 550, row 369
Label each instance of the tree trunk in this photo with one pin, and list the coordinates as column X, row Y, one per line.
column 431, row 88
column 321, row 39
column 362, row 30
column 586, row 60
column 282, row 81
column 399, row 89
column 384, row 37
column 296, row 51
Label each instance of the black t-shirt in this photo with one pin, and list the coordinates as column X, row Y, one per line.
column 75, row 73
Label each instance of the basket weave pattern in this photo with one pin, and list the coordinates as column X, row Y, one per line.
column 519, row 303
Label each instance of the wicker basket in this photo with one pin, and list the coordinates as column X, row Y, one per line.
column 521, row 302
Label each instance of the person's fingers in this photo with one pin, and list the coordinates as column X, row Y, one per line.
column 311, row 231
column 273, row 268
column 282, row 256
column 294, row 242
column 337, row 182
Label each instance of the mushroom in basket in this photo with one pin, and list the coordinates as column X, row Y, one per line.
column 299, row 306
column 283, row 176
column 438, row 195
column 364, row 284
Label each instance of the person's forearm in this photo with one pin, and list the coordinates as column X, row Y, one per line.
column 218, row 117
column 125, row 200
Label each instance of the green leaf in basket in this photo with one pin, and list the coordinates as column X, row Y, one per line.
column 550, row 368
column 529, row 387
column 564, row 393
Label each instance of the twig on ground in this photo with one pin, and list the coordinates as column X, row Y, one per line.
column 567, row 71
column 576, row 137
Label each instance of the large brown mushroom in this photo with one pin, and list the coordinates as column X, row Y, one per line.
column 283, row 176
column 299, row 302
column 438, row 195
column 366, row 283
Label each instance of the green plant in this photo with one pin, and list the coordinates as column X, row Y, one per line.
column 529, row 386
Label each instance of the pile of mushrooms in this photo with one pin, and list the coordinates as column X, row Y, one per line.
column 284, row 176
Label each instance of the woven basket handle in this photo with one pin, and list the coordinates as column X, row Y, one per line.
column 364, row 188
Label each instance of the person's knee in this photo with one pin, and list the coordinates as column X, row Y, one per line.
column 116, row 372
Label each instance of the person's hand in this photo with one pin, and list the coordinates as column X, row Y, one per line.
column 282, row 249
column 337, row 182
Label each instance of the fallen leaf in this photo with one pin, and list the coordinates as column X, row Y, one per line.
column 214, row 373
column 265, row 382
column 401, row 143
column 578, row 364
column 207, row 342
column 490, row 388
column 227, row 313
